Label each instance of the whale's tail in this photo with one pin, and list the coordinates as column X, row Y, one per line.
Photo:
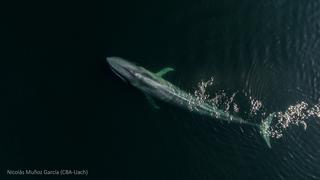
column 264, row 129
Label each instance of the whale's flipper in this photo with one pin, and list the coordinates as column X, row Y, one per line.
column 264, row 127
column 151, row 101
column 164, row 71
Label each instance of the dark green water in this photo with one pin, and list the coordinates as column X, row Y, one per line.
column 66, row 109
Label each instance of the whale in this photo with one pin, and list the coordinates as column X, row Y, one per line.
column 154, row 86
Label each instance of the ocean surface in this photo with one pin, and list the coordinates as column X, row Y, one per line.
column 67, row 109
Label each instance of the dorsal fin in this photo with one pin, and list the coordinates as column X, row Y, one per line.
column 164, row 71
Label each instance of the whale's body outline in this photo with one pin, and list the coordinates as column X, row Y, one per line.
column 153, row 85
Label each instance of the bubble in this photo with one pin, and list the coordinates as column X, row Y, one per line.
column 200, row 95
column 294, row 115
column 219, row 100
column 297, row 115
column 255, row 106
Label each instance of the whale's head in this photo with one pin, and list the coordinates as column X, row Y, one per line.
column 127, row 71
column 134, row 75
column 139, row 77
